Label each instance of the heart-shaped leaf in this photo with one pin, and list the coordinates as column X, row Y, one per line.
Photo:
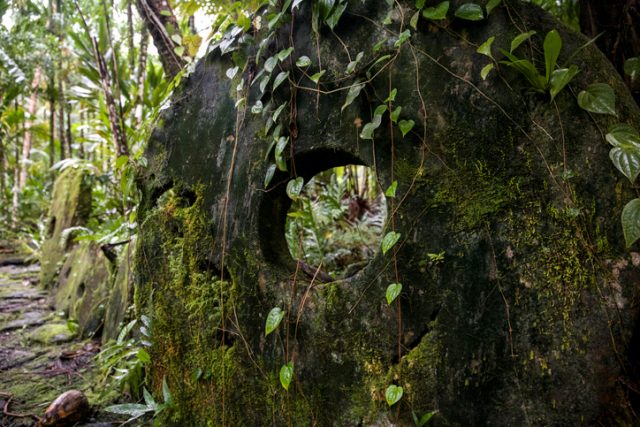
column 631, row 222
column 286, row 375
column 270, row 63
column 625, row 153
column 389, row 240
column 284, row 54
column 393, row 290
column 274, row 318
column 598, row 98
column 353, row 93
column 231, row 72
column 438, row 12
column 470, row 12
column 395, row 114
column 485, row 71
column 303, row 61
column 257, row 107
column 294, row 187
column 316, row 77
column 393, row 394
column 406, row 126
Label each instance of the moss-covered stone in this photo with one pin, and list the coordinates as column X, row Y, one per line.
column 84, row 287
column 51, row 333
column 70, row 207
column 528, row 317
column 121, row 296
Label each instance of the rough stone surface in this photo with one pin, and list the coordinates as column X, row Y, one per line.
column 121, row 295
column 70, row 207
column 530, row 319
column 84, row 287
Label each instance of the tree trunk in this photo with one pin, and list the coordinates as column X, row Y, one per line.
column 619, row 23
column 142, row 73
column 64, row 144
column 26, row 144
column 162, row 24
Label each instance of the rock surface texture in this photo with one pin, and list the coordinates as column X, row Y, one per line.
column 528, row 319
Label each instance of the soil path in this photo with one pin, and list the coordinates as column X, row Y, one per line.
column 39, row 356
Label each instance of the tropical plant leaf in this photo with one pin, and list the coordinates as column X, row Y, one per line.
column 389, row 240
column 316, row 77
column 552, row 47
column 598, row 98
column 631, row 222
column 436, row 13
column 632, row 67
column 393, row 394
column 274, row 318
column 470, row 12
column 333, row 19
column 560, row 78
column 492, row 4
column 485, row 48
column 286, row 375
column 353, row 93
column 391, row 191
column 485, row 71
column 519, row 39
column 625, row 153
column 406, row 126
column 269, row 175
column 294, row 187
column 393, row 290
column 303, row 62
column 282, row 76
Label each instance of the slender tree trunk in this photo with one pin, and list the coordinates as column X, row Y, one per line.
column 3, row 179
column 52, row 124
column 142, row 75
column 619, row 23
column 26, row 144
column 119, row 137
column 81, row 152
column 69, row 135
column 62, row 136
column 130, row 46
column 15, row 203
column 162, row 24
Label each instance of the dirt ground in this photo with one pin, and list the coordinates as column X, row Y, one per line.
column 40, row 358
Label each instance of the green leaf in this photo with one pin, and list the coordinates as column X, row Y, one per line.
column 325, row 8
column 270, row 63
column 391, row 191
column 166, row 393
column 121, row 161
column 132, row 409
column 353, row 93
column 367, row 130
column 420, row 4
column 632, row 67
column 470, row 12
column 294, row 187
column 231, row 72
column 414, row 20
column 560, row 78
column 284, row 54
column 485, row 71
column 316, row 77
column 148, row 398
column 274, row 318
column 404, row 36
column 552, row 47
column 631, row 222
column 286, row 375
column 264, row 82
column 527, row 69
column 393, row 394
column 519, row 39
column 280, row 159
column 278, row 111
column 438, row 12
column 282, row 76
column 257, row 107
column 389, row 240
column 334, row 18
column 424, row 419
column 392, row 95
column 485, row 48
column 393, row 290
column 303, row 62
column 492, row 4
column 179, row 50
column 625, row 153
column 598, row 98
column 406, row 126
column 353, row 64
column 269, row 175
column 395, row 114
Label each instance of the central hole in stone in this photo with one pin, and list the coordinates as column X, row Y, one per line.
column 337, row 221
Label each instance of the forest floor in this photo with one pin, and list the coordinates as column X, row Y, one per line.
column 39, row 356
